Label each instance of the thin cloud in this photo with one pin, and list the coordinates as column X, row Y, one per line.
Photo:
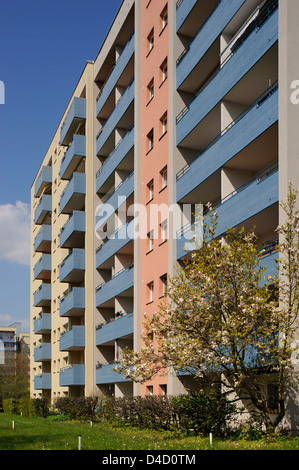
column 15, row 233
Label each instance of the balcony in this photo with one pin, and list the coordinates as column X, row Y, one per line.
column 42, row 382
column 42, row 296
column 116, row 159
column 73, row 304
column 44, row 179
column 43, row 210
column 113, row 330
column 73, row 197
column 120, row 117
column 72, row 235
column 43, row 353
column 42, row 241
column 246, row 202
column 42, row 325
column 115, row 243
column 120, row 284
column 72, row 269
column 72, row 340
column 121, row 193
column 105, row 374
column 72, row 375
column 73, row 157
column 237, row 66
column 75, row 116
column 256, row 120
column 42, row 269
column 115, row 75
column 268, row 259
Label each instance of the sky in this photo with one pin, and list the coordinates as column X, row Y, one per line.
column 44, row 46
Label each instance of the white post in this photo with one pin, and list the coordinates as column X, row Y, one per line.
column 79, row 442
column 211, row 439
column 13, row 424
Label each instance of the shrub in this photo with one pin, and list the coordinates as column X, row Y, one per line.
column 82, row 408
column 198, row 412
column 10, row 406
column 27, row 406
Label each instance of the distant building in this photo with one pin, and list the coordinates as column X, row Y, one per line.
column 14, row 350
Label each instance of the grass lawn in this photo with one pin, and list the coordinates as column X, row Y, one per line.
column 46, row 434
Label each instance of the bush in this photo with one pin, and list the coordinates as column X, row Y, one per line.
column 27, row 406
column 10, row 406
column 82, row 408
column 198, row 412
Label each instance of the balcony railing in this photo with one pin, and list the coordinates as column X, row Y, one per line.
column 256, row 25
column 256, row 103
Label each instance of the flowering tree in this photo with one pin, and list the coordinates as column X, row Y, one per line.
column 223, row 323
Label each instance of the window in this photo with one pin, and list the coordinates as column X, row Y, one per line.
column 164, row 178
column 163, row 390
column 163, row 124
column 163, row 285
column 164, row 18
column 150, row 41
column 164, row 70
column 150, row 390
column 150, row 190
column 150, row 89
column 150, row 288
column 164, row 231
column 150, row 140
column 150, row 237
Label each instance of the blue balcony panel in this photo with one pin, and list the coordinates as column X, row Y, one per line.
column 116, row 329
column 73, row 340
column 42, row 241
column 247, row 203
column 121, row 158
column 72, row 268
column 42, row 269
column 105, row 375
column 43, row 353
column 42, row 297
column 115, row 75
column 42, row 382
column 207, row 35
column 183, row 10
column 246, row 130
column 121, row 284
column 118, row 117
column 241, row 62
column 116, row 199
column 43, row 210
column 73, row 157
column 44, row 179
column 73, row 304
column 72, row 234
column 257, row 196
column 73, row 197
column 42, row 325
column 270, row 263
column 72, row 375
column 75, row 115
column 114, row 243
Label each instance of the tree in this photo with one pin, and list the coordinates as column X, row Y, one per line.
column 224, row 323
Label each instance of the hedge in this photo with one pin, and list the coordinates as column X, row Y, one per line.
column 27, row 406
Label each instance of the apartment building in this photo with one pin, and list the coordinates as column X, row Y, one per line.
column 186, row 103
column 14, row 351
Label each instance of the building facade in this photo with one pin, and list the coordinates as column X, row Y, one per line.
column 186, row 103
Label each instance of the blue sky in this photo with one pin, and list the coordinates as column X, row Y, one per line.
column 44, row 47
